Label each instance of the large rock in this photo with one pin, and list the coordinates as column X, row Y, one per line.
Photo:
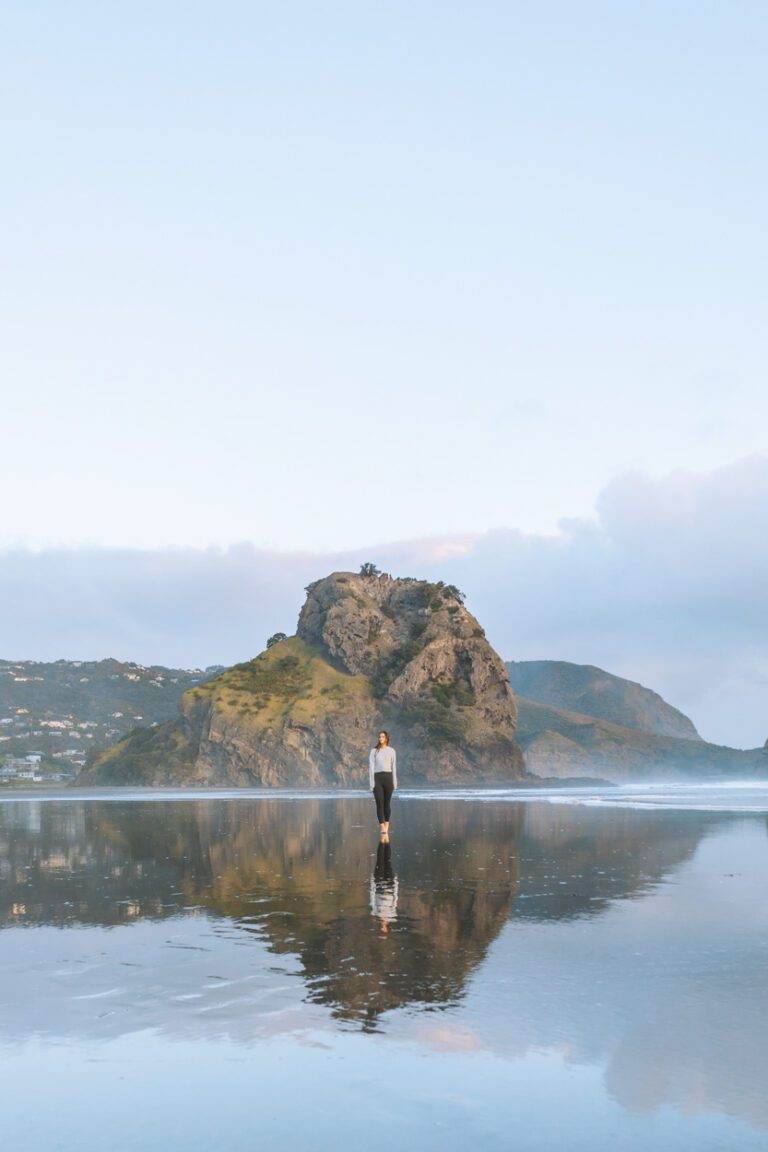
column 370, row 651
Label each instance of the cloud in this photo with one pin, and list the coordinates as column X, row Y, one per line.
column 665, row 585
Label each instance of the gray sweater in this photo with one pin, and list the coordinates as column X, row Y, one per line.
column 382, row 760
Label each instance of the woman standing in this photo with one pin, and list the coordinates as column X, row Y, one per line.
column 382, row 776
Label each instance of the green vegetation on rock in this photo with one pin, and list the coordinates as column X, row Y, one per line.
column 291, row 680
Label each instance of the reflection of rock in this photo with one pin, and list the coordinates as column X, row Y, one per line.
column 298, row 876
column 446, row 916
column 634, row 941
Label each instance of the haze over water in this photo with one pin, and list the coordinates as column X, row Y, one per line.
column 583, row 971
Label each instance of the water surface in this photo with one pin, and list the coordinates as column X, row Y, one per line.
column 582, row 970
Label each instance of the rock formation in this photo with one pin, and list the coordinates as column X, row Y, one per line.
column 369, row 652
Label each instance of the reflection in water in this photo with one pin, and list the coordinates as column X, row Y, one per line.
column 293, row 875
column 529, row 927
column 384, row 887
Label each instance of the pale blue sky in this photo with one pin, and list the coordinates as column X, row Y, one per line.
column 321, row 275
column 349, row 281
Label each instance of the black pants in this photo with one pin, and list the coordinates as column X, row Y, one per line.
column 382, row 794
column 383, row 870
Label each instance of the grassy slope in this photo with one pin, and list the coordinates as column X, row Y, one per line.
column 139, row 755
column 590, row 691
column 291, row 681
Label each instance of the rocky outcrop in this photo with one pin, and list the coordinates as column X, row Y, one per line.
column 369, row 652
column 591, row 691
column 421, row 650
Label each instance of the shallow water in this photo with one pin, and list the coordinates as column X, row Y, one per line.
column 577, row 970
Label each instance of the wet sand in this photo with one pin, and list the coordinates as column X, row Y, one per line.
column 575, row 969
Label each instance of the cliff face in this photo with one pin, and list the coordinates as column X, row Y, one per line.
column 423, row 653
column 369, row 652
column 590, row 691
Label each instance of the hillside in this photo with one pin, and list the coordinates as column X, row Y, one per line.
column 577, row 720
column 370, row 651
column 565, row 744
column 590, row 691
column 67, row 709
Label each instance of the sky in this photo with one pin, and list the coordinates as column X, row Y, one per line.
column 293, row 281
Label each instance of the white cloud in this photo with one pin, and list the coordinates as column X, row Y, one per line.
column 667, row 585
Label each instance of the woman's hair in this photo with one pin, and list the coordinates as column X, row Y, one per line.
column 385, row 733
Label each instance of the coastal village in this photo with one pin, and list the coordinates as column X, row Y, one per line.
column 53, row 716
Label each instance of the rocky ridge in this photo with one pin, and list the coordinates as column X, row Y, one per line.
column 591, row 691
column 568, row 745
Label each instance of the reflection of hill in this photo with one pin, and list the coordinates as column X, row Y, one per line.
column 306, row 891
column 89, row 863
column 597, row 860
column 297, row 875
column 598, row 937
column 667, row 994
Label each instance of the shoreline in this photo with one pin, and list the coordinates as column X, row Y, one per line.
column 525, row 785
column 724, row 796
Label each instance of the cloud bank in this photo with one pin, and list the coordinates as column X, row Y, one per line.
column 667, row 585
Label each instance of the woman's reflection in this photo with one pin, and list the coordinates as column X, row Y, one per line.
column 384, row 888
